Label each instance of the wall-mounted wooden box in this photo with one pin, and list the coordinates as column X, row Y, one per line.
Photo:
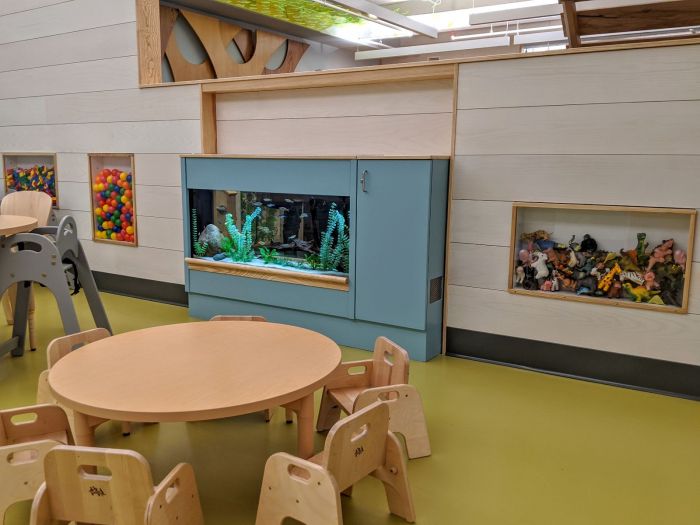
column 631, row 261
column 112, row 195
column 31, row 172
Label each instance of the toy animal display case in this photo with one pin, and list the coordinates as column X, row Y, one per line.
column 31, row 172
column 112, row 195
column 616, row 255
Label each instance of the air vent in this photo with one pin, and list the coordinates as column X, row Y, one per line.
column 435, row 289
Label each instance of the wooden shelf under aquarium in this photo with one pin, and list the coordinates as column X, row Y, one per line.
column 318, row 280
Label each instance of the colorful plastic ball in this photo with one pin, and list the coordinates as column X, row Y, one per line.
column 128, row 194
column 130, row 230
column 122, row 176
column 128, row 178
column 113, row 236
column 105, row 208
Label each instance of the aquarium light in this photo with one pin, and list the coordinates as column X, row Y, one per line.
column 441, row 47
column 516, row 31
column 519, row 11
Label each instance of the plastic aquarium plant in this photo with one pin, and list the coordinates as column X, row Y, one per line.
column 241, row 249
column 200, row 248
column 268, row 255
column 335, row 255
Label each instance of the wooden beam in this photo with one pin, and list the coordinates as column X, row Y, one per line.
column 570, row 22
column 208, row 123
column 639, row 17
column 148, row 41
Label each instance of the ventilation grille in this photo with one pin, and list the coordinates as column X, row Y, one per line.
column 435, row 289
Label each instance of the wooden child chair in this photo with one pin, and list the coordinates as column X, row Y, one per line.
column 102, row 485
column 58, row 349
column 357, row 446
column 270, row 411
column 23, row 446
column 35, row 204
column 357, row 384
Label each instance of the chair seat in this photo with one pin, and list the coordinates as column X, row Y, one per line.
column 345, row 397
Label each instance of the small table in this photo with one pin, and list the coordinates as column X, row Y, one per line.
column 10, row 225
column 194, row 372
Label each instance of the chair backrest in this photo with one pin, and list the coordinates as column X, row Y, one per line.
column 99, row 486
column 390, row 363
column 238, row 318
column 35, row 204
column 356, row 445
column 62, row 346
column 34, row 423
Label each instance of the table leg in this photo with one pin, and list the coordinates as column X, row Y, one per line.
column 304, row 409
column 84, row 435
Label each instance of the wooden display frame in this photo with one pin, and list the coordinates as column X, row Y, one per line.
column 96, row 162
column 568, row 296
column 319, row 280
column 48, row 155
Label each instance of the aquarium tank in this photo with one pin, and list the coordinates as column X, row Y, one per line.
column 306, row 233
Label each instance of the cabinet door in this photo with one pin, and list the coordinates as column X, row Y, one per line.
column 393, row 210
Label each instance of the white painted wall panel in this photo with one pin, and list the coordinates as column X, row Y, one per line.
column 670, row 73
column 143, row 262
column 16, row 6
column 595, row 129
column 78, row 46
column 157, row 232
column 72, row 167
column 65, row 17
column 622, row 330
column 159, row 201
column 96, row 75
column 154, row 169
column 427, row 134
column 73, row 195
column 480, row 222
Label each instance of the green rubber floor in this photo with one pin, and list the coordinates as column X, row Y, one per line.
column 510, row 447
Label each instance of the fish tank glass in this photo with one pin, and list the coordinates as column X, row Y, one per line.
column 304, row 233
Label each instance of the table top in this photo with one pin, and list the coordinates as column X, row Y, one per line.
column 194, row 371
column 11, row 224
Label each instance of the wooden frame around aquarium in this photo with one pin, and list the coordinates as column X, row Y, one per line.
column 689, row 212
column 53, row 156
column 130, row 156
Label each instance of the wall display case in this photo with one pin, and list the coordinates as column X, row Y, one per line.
column 324, row 243
column 616, row 255
column 31, row 172
column 112, row 182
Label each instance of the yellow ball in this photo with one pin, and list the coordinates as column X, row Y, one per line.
column 129, row 230
column 98, row 211
column 95, row 188
column 100, row 187
column 122, row 176
column 113, row 237
column 124, row 199
column 109, row 179
column 105, row 208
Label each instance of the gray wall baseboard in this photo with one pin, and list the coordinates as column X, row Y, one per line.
column 639, row 373
column 162, row 292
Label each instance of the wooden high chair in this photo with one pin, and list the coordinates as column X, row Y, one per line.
column 58, row 349
column 23, row 446
column 289, row 414
column 357, row 384
column 35, row 204
column 357, row 446
column 93, row 485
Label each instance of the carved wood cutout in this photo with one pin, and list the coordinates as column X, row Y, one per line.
column 215, row 36
column 295, row 50
column 168, row 15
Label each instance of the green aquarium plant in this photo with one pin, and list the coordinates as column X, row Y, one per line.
column 241, row 249
column 268, row 255
column 312, row 261
column 200, row 248
column 334, row 254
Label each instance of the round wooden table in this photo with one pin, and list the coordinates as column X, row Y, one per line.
column 194, row 372
column 11, row 224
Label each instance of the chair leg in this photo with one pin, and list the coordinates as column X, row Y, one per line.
column 289, row 415
column 394, row 476
column 268, row 414
column 8, row 302
column 328, row 414
column 126, row 428
column 30, row 321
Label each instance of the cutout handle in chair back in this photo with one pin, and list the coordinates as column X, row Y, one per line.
column 390, row 363
column 34, row 423
column 239, row 318
column 62, row 346
column 100, row 486
column 356, row 445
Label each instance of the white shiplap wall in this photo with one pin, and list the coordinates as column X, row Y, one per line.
column 69, row 84
column 607, row 128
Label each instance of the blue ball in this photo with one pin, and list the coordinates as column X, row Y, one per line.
column 128, row 178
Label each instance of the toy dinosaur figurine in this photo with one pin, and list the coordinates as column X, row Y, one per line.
column 635, row 277
column 605, row 283
column 639, row 293
column 642, row 245
column 660, row 253
column 650, row 281
column 539, row 263
column 680, row 258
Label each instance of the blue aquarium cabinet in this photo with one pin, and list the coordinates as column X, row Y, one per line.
column 391, row 282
